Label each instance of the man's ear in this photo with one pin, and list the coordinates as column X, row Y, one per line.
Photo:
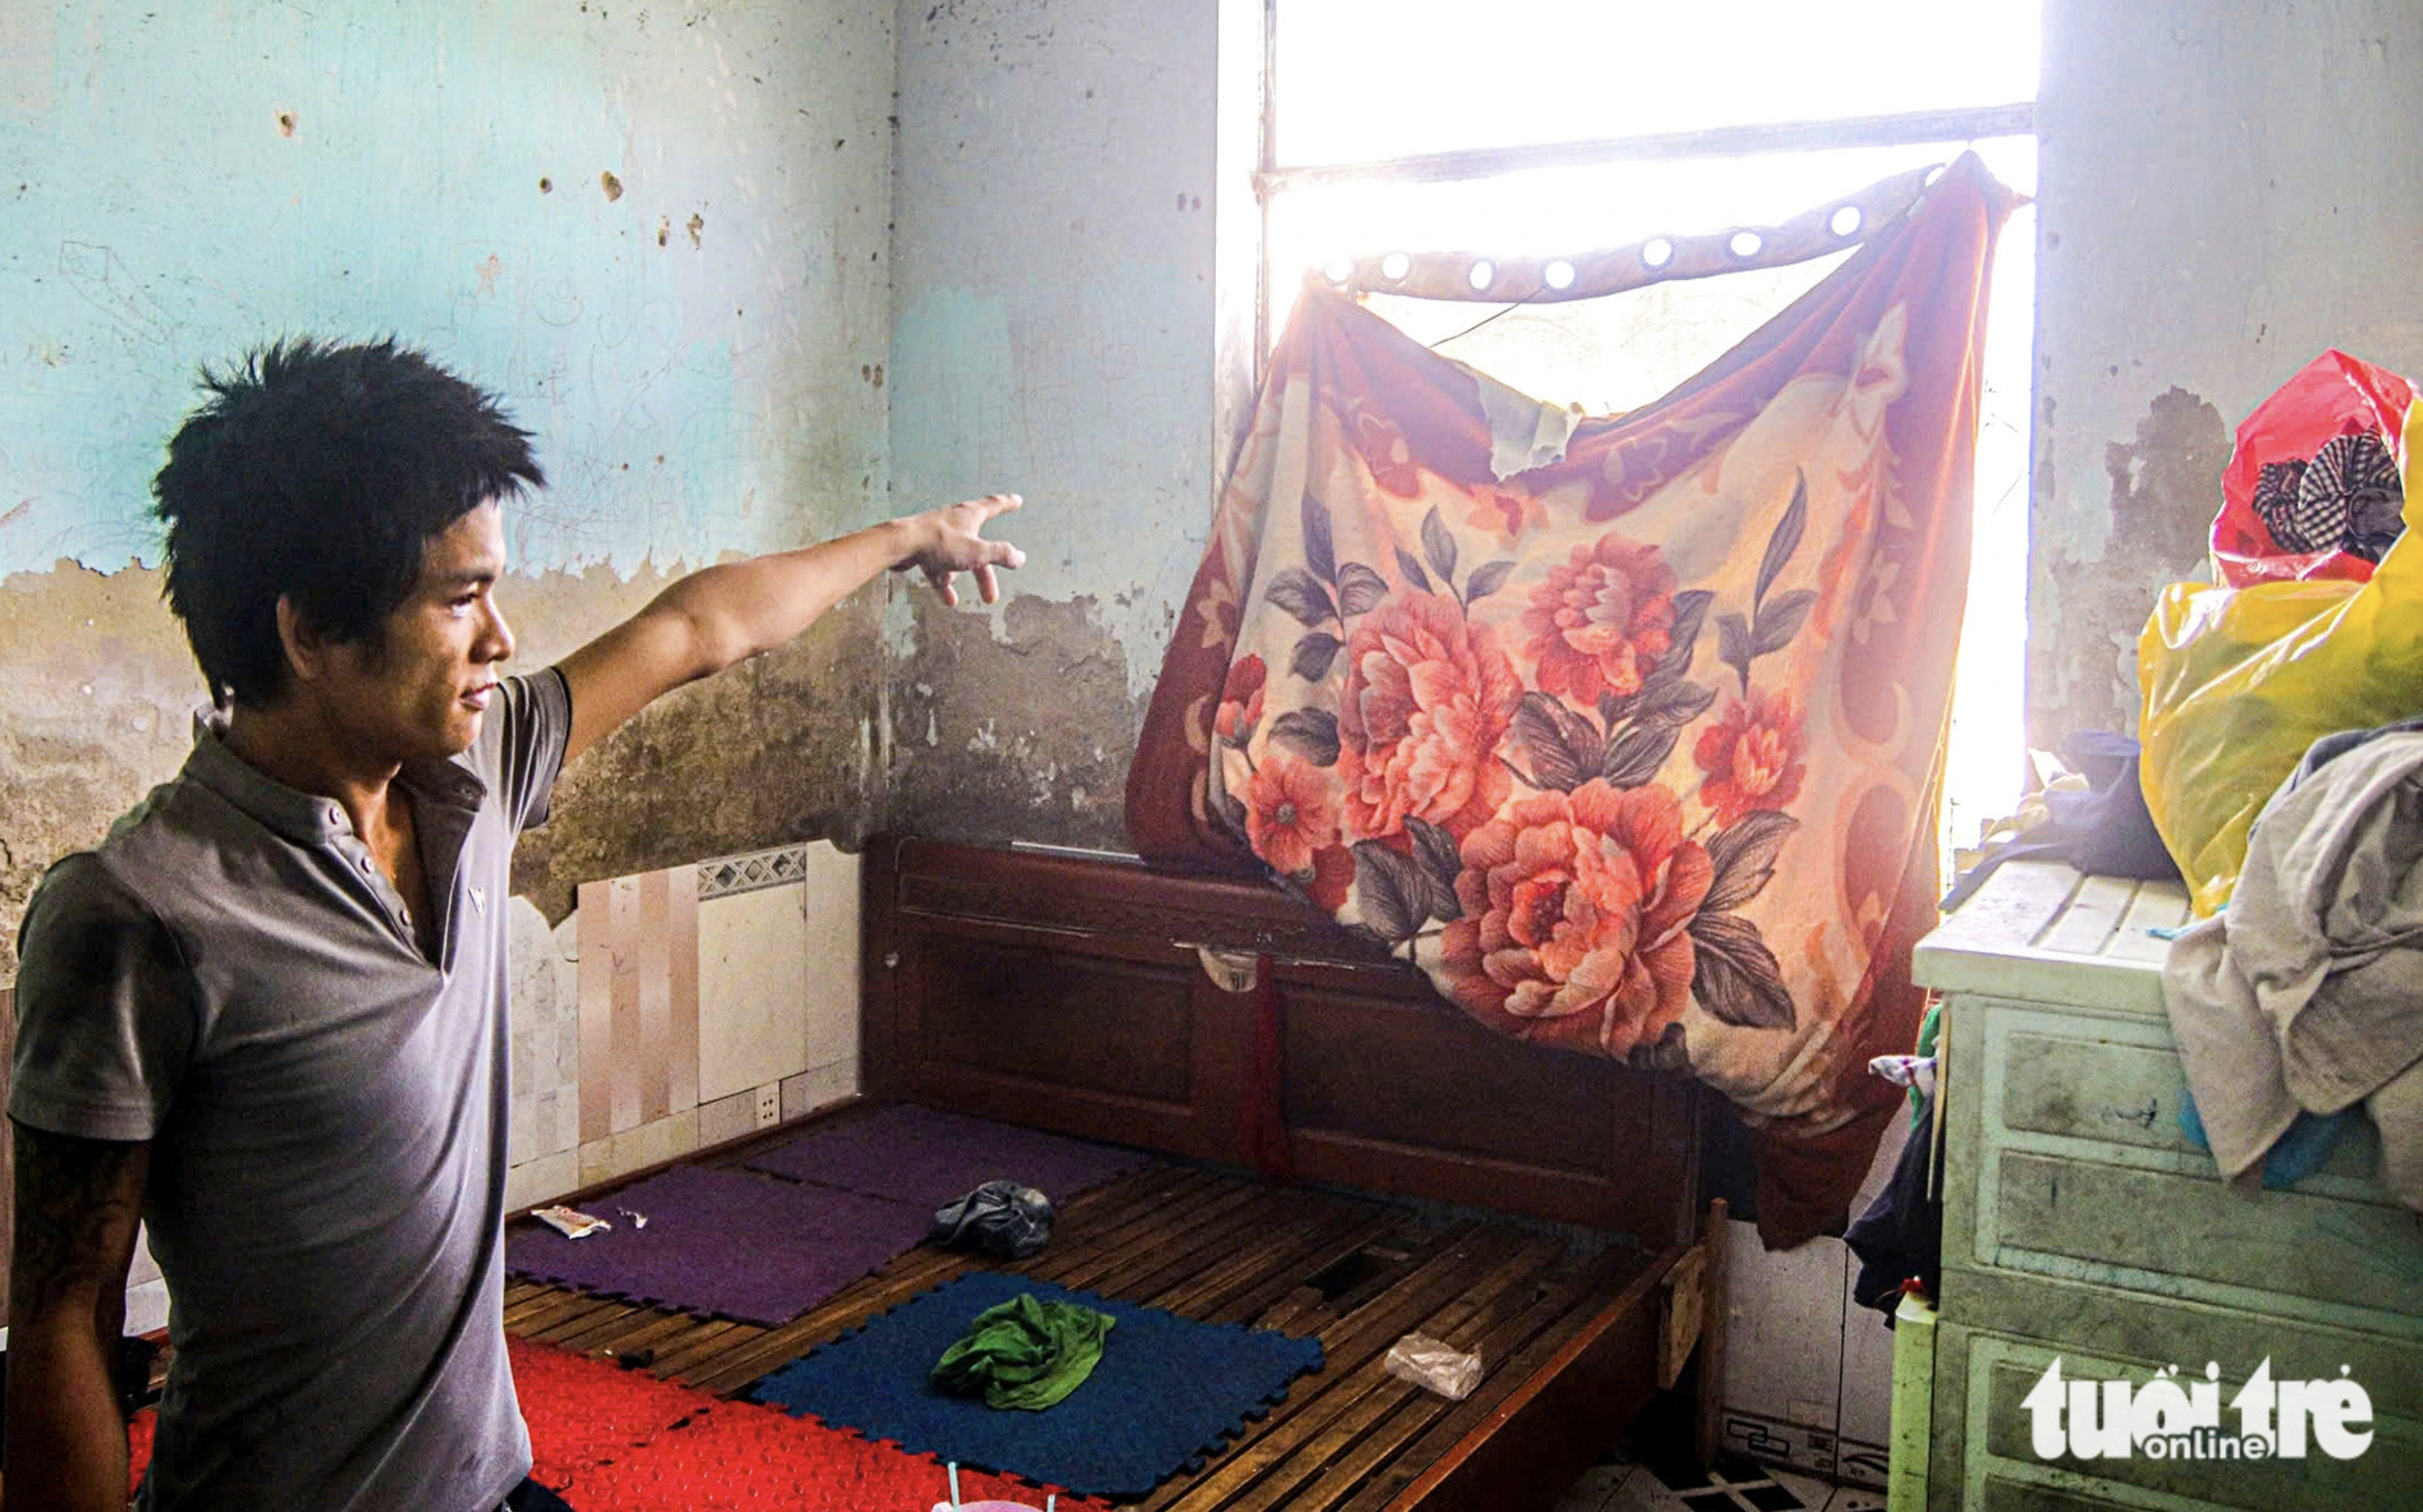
column 307, row 649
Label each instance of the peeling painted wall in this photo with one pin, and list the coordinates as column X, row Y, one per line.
column 661, row 229
column 779, row 748
column 1052, row 335
column 1020, row 731
column 100, row 704
column 2225, row 192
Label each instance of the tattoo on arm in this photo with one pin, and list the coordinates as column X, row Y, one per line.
column 79, row 1202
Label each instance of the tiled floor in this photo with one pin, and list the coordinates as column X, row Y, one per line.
column 1622, row 1485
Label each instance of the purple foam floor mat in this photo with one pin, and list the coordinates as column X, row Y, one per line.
column 927, row 1158
column 725, row 1242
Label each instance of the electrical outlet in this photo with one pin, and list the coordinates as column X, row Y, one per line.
column 770, row 1105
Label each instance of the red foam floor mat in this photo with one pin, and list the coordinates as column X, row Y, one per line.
column 609, row 1439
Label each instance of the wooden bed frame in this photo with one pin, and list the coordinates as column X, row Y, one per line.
column 1565, row 1332
column 1065, row 991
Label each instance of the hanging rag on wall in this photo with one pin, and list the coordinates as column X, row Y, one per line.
column 1634, row 752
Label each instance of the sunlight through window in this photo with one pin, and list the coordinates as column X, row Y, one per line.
column 1361, row 82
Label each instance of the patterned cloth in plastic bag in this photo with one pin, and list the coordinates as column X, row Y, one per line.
column 2311, row 490
column 2238, row 681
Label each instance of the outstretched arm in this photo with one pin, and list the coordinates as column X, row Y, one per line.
column 79, row 1202
column 726, row 613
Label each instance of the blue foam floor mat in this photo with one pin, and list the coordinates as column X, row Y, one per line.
column 1167, row 1395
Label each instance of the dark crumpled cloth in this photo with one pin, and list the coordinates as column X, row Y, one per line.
column 1900, row 1235
column 1000, row 1219
column 2105, row 831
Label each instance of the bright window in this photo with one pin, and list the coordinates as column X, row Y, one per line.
column 1375, row 81
column 1368, row 79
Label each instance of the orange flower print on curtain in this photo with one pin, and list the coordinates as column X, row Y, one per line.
column 1577, row 908
column 1751, row 757
column 1508, row 516
column 1584, row 915
column 1241, row 701
column 1600, row 624
column 1291, row 813
column 1428, row 698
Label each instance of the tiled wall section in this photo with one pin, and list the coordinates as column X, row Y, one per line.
column 639, row 1001
column 545, row 981
column 678, row 1010
column 777, row 954
column 1808, row 1373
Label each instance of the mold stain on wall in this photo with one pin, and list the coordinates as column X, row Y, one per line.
column 2085, row 613
column 103, row 691
column 771, row 752
column 765, row 753
column 102, row 694
column 1022, row 731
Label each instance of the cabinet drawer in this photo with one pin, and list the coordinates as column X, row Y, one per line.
column 2180, row 1235
column 1984, row 1379
column 2066, row 1159
column 2128, row 1094
column 2079, row 1223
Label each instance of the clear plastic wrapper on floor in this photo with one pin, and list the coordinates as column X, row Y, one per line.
column 1434, row 1365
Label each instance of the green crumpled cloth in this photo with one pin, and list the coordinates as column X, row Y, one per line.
column 1024, row 1353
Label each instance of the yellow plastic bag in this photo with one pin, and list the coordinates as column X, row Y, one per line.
column 2239, row 682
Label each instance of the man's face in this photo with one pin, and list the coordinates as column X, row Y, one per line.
column 422, row 693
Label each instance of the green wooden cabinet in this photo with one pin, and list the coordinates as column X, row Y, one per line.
column 2081, row 1225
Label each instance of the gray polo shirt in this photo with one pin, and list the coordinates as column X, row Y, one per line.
column 231, row 977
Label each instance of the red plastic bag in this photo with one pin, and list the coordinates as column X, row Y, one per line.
column 2301, row 498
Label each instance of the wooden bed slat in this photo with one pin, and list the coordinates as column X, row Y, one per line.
column 1281, row 1251
column 1344, row 1449
column 1151, row 1238
column 1262, row 1304
column 574, row 1323
column 610, row 1336
column 546, row 1312
column 1205, row 1250
column 1510, row 1349
column 640, row 1331
column 1350, row 1347
column 714, row 1340
column 1602, row 1370
column 1090, row 1244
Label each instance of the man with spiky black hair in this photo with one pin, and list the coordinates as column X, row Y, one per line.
column 266, row 1015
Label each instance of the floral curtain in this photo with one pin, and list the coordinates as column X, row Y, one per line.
column 1634, row 752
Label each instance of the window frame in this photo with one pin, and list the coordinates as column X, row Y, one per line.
column 1272, row 178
